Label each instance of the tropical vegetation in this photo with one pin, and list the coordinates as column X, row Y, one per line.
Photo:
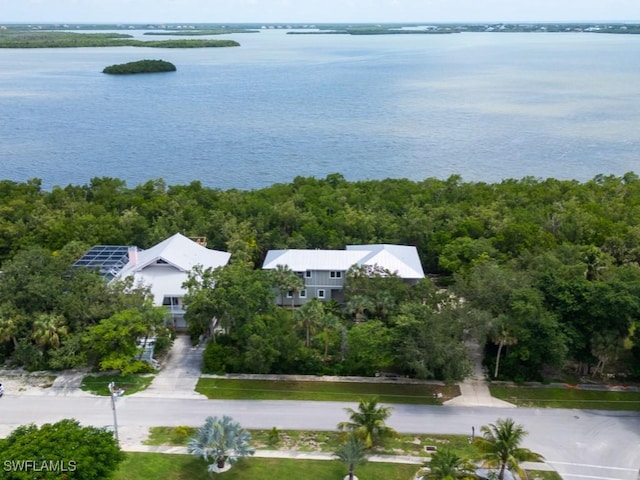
column 55, row 317
column 543, row 272
column 47, row 39
column 141, row 66
column 352, row 453
column 64, row 449
column 368, row 423
column 447, row 465
column 221, row 441
column 500, row 447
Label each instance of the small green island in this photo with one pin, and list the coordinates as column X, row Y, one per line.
column 141, row 66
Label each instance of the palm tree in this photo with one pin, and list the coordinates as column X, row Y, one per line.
column 502, row 336
column 368, row 423
column 500, row 447
column 48, row 329
column 222, row 440
column 310, row 316
column 446, row 465
column 384, row 301
column 286, row 281
column 351, row 453
column 329, row 323
column 296, row 285
column 605, row 346
column 10, row 320
column 8, row 330
column 357, row 305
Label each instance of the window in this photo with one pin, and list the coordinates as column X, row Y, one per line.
column 336, row 274
column 321, row 294
column 290, row 294
column 303, row 294
column 307, row 274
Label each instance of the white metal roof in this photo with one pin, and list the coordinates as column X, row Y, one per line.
column 302, row 260
column 176, row 255
column 400, row 259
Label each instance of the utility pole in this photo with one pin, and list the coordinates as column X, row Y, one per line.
column 115, row 393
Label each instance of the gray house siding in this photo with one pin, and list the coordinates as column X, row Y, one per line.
column 321, row 284
column 323, row 271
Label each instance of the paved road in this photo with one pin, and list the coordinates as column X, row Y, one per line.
column 587, row 445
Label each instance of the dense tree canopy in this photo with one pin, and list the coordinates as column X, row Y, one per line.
column 141, row 66
column 547, row 271
column 60, row 450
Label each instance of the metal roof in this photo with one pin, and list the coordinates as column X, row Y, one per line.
column 165, row 267
column 402, row 260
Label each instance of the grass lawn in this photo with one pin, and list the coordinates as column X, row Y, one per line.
column 568, row 398
column 99, row 384
column 144, row 466
column 231, row 389
column 322, row 441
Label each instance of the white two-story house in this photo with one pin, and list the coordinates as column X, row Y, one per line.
column 162, row 268
column 323, row 271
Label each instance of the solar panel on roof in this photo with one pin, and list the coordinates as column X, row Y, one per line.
column 108, row 259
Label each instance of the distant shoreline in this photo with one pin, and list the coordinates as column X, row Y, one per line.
column 201, row 29
column 49, row 39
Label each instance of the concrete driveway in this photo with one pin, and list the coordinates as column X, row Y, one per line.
column 179, row 374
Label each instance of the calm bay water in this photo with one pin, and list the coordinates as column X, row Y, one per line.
column 485, row 106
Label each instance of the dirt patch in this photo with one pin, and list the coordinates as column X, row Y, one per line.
column 25, row 383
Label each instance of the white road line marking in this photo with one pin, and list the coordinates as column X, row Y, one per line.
column 593, row 466
column 563, row 475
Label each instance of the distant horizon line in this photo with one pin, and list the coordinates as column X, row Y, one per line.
column 439, row 22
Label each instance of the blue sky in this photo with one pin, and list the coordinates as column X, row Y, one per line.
column 316, row 11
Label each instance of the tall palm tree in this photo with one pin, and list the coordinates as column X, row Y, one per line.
column 9, row 330
column 48, row 329
column 10, row 321
column 222, row 440
column 310, row 316
column 329, row 323
column 446, row 465
column 500, row 446
column 351, row 453
column 296, row 285
column 502, row 336
column 286, row 280
column 368, row 422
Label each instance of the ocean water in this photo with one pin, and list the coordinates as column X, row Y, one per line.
column 486, row 106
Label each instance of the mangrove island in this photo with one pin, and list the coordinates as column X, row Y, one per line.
column 141, row 66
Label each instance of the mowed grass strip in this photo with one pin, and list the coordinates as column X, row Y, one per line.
column 99, row 384
column 143, row 466
column 568, row 398
column 233, row 389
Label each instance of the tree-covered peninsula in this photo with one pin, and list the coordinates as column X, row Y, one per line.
column 43, row 39
column 141, row 66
